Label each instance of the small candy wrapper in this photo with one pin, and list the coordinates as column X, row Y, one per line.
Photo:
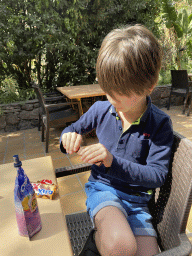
column 44, row 189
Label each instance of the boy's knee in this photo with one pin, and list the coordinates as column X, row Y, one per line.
column 120, row 244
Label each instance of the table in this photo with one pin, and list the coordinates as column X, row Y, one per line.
column 53, row 238
column 81, row 91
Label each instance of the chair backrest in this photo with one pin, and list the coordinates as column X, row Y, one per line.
column 40, row 98
column 174, row 199
column 179, row 79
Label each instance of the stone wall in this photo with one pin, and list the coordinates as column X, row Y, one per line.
column 19, row 116
column 24, row 115
column 160, row 96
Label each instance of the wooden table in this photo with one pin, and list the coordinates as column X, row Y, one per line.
column 81, row 91
column 53, row 238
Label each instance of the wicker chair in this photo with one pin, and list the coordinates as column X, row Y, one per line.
column 52, row 97
column 55, row 115
column 170, row 206
column 181, row 86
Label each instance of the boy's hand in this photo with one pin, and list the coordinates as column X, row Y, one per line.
column 71, row 142
column 96, row 153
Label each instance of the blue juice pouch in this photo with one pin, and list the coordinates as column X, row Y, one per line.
column 27, row 212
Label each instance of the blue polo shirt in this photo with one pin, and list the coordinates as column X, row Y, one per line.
column 141, row 154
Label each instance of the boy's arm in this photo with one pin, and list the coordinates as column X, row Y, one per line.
column 85, row 124
column 153, row 174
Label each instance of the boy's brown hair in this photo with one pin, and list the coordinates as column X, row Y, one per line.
column 129, row 61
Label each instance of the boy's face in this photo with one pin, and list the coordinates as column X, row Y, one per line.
column 125, row 104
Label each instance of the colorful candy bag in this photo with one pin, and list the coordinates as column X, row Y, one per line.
column 44, row 189
column 27, row 212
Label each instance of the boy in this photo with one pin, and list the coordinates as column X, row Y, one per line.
column 135, row 139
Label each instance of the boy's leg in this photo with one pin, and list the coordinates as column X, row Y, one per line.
column 147, row 246
column 114, row 235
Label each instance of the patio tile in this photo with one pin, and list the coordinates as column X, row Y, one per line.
column 2, row 155
column 54, row 147
column 177, row 126
column 32, row 139
column 55, row 154
column 3, row 139
column 4, row 135
column 68, row 185
column 14, row 151
column 34, row 143
column 185, row 132
column 3, row 148
column 181, row 120
column 15, row 144
column 54, row 137
column 36, row 148
column 31, row 156
column 73, row 202
column 84, row 177
column 54, row 134
column 16, row 134
column 31, row 131
column 9, row 158
column 15, row 140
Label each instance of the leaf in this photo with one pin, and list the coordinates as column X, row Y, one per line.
column 169, row 24
column 169, row 10
column 190, row 31
column 180, row 17
column 185, row 20
column 4, row 64
column 178, row 29
column 190, row 18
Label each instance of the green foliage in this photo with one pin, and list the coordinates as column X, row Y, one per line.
column 179, row 23
column 169, row 13
column 56, row 42
column 10, row 91
column 1, row 112
column 164, row 77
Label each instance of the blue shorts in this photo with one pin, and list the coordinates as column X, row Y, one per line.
column 137, row 213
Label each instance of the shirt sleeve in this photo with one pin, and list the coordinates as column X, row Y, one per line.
column 86, row 123
column 153, row 174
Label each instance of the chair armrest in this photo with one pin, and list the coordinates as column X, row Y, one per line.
column 183, row 249
column 59, row 105
column 53, row 93
column 69, row 170
column 54, row 98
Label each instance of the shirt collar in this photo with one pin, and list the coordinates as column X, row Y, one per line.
column 112, row 110
column 142, row 118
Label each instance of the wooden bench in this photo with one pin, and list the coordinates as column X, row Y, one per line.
column 169, row 207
